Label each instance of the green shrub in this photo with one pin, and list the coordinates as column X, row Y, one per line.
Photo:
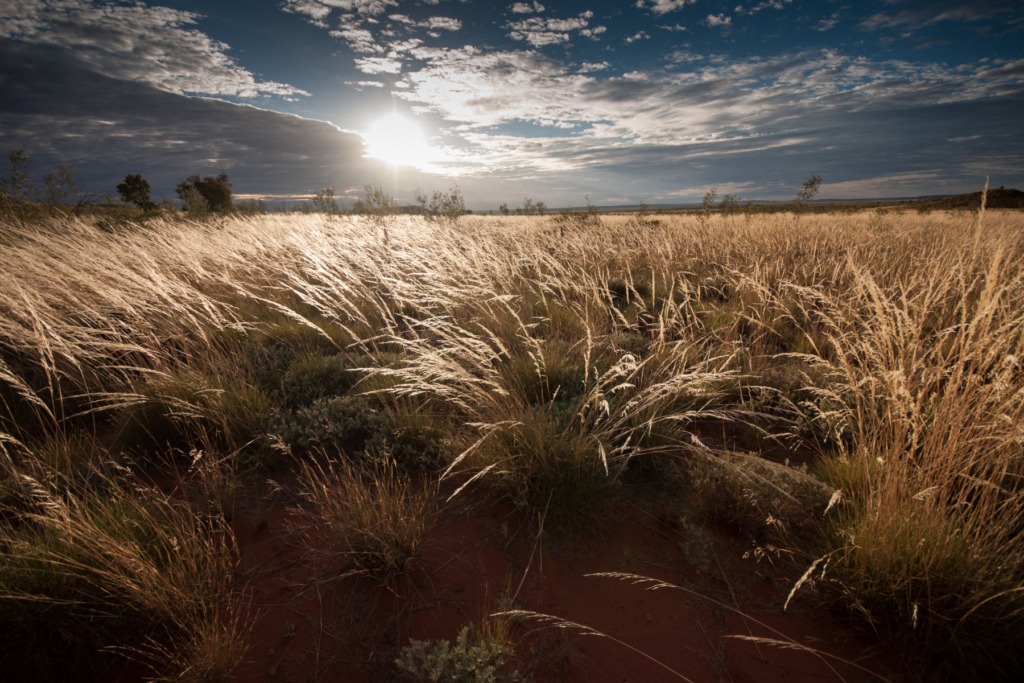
column 351, row 423
column 371, row 520
column 474, row 657
column 312, row 377
column 184, row 409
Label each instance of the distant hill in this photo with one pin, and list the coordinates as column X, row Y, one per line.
column 999, row 198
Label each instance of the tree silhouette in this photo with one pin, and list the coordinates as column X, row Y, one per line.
column 58, row 185
column 134, row 189
column 216, row 192
column 809, row 189
column 15, row 187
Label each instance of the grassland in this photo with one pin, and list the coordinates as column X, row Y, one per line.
column 845, row 391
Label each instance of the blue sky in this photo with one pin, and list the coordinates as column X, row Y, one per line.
column 622, row 102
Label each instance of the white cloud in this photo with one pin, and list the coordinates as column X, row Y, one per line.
column 527, row 8
column 320, row 10
column 361, row 40
column 639, row 35
column 911, row 183
column 443, row 23
column 539, row 31
column 936, row 13
column 718, row 20
column 663, row 6
column 767, row 4
column 828, row 23
column 378, row 65
column 730, row 107
column 153, row 45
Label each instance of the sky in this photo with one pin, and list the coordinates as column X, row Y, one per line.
column 652, row 101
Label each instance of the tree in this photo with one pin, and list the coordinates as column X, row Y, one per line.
column 808, row 190
column 15, row 187
column 504, row 210
column 324, row 201
column 193, row 201
column 134, row 189
column 58, row 185
column 729, row 203
column 443, row 205
column 704, row 217
column 375, row 202
column 216, row 193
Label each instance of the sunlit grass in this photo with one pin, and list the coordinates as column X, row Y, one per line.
column 544, row 361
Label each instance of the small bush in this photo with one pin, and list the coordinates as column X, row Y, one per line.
column 351, row 424
column 757, row 497
column 476, row 656
column 312, row 377
column 187, row 408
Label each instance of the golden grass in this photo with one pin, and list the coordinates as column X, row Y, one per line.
column 551, row 357
column 113, row 569
column 373, row 521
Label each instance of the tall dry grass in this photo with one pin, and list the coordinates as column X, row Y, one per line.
column 107, row 572
column 553, row 359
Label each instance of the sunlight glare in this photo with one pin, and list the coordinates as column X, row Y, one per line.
column 397, row 140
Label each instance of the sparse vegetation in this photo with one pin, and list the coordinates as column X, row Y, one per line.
column 479, row 654
column 372, row 520
column 553, row 363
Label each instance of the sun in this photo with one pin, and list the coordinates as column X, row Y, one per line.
column 397, row 140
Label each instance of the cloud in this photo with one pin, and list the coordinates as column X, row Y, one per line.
column 153, row 45
column 320, row 10
column 61, row 112
column 527, row 8
column 539, row 31
column 767, row 4
column 663, row 6
column 810, row 105
column 379, row 38
column 378, row 65
column 718, row 20
column 938, row 12
column 430, row 23
column 639, row 35
column 828, row 23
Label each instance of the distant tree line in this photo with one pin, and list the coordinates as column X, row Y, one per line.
column 201, row 196
column 528, row 207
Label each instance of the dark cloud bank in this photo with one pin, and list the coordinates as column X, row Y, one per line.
column 59, row 112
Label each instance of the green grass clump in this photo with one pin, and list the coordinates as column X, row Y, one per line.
column 312, row 377
column 372, row 520
column 181, row 409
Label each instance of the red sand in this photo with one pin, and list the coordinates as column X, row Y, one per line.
column 481, row 558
